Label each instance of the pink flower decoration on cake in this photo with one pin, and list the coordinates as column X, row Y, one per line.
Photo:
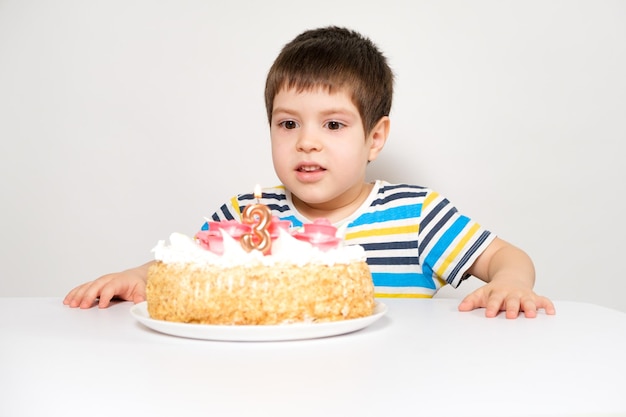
column 234, row 228
column 278, row 224
column 320, row 234
column 213, row 239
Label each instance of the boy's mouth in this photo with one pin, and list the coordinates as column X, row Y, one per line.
column 309, row 168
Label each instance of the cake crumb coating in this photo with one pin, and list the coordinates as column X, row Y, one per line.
column 259, row 295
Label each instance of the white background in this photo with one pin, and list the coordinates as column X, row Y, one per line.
column 122, row 121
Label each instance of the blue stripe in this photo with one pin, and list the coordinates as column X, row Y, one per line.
column 389, row 279
column 294, row 221
column 444, row 242
column 395, row 213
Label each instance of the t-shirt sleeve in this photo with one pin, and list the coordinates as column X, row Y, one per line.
column 449, row 242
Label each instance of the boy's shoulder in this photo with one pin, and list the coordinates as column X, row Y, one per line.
column 386, row 195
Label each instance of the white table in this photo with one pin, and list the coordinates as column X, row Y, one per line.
column 422, row 358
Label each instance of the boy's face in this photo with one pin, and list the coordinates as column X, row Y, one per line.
column 319, row 148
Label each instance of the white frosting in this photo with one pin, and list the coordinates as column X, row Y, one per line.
column 285, row 249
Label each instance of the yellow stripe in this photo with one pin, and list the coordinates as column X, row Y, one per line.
column 383, row 232
column 457, row 249
column 402, row 295
column 429, row 199
column 235, row 204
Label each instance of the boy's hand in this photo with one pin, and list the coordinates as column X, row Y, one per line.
column 129, row 285
column 510, row 276
column 496, row 297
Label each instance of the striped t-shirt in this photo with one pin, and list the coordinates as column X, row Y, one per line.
column 415, row 239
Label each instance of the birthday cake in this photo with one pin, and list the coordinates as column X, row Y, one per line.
column 259, row 272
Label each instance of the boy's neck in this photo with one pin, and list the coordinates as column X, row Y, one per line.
column 334, row 211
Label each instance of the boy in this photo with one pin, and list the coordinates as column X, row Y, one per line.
column 328, row 96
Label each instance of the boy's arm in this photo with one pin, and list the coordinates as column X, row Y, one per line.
column 510, row 277
column 129, row 285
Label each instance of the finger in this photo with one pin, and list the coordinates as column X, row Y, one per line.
column 529, row 307
column 512, row 305
column 470, row 302
column 106, row 295
column 70, row 297
column 546, row 304
column 87, row 301
column 92, row 293
column 76, row 295
column 495, row 303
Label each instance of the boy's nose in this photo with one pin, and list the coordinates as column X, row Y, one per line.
column 307, row 142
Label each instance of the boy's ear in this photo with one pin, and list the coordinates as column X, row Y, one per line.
column 379, row 137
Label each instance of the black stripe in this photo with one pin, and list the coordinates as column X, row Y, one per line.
column 264, row 196
column 468, row 254
column 278, row 208
column 274, row 196
column 397, row 196
column 404, row 260
column 269, row 199
column 427, row 238
column 433, row 213
column 396, row 186
column 225, row 212
column 273, row 208
column 409, row 244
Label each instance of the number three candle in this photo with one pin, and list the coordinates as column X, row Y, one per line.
column 259, row 217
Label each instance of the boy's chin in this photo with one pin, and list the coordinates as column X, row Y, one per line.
column 310, row 195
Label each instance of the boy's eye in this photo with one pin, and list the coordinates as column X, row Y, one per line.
column 333, row 125
column 288, row 124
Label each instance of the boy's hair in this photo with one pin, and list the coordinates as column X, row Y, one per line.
column 334, row 58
